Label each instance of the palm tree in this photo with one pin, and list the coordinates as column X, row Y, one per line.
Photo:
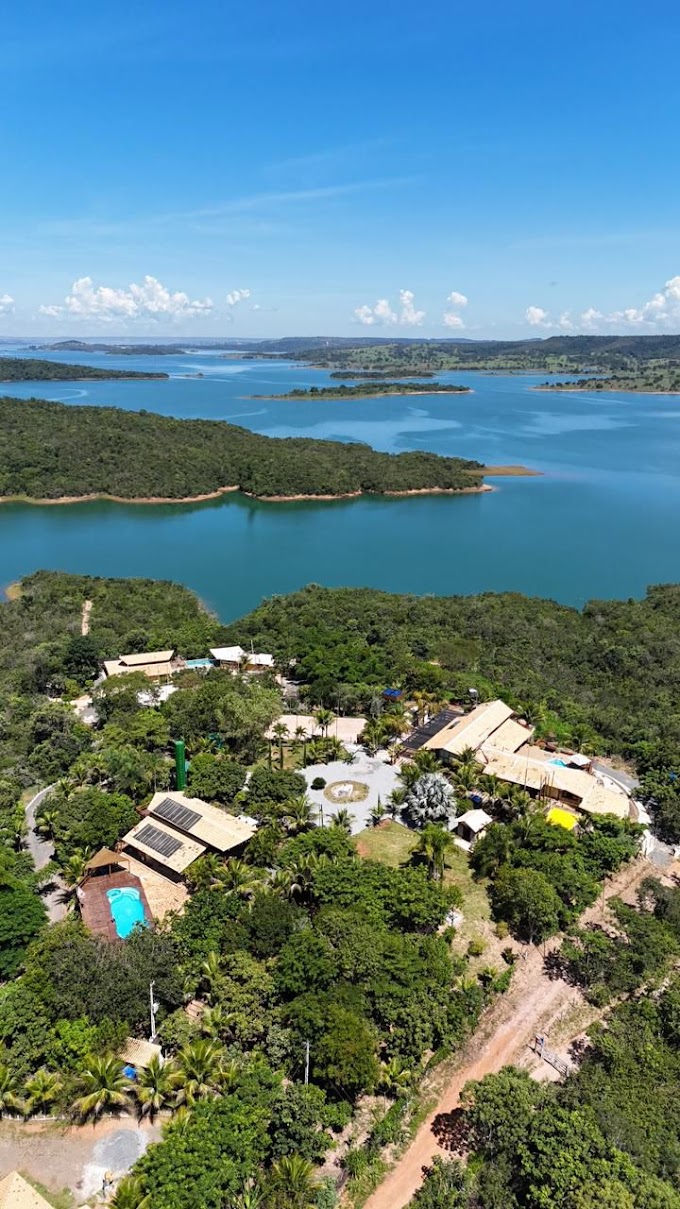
column 73, row 873
column 47, row 823
column 205, row 873
column 343, row 819
column 42, row 1091
column 217, row 1023
column 211, row 974
column 301, row 737
column 293, row 1183
column 9, row 1100
column 466, row 774
column 104, row 1087
column 201, row 1070
column 393, row 750
column 372, row 737
column 324, row 718
column 153, row 1087
column 395, row 1077
column 378, row 813
column 131, row 1194
column 298, row 815
column 434, row 843
column 238, row 878
column 251, row 1197
column 280, row 732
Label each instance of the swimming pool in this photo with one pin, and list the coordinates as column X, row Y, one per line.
column 559, row 763
column 127, row 909
column 199, row 663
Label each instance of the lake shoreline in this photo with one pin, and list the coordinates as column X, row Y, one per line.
column 611, row 390
column 262, row 499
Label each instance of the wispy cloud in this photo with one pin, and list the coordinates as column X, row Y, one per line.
column 455, row 302
column 6, row 304
column 235, row 296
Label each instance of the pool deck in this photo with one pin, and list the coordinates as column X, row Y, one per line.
column 95, row 909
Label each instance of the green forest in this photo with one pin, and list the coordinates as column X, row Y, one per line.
column 51, row 450
column 33, row 369
column 654, row 378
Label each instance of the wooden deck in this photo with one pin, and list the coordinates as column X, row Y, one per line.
column 95, row 910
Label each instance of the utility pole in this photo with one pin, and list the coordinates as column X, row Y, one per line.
column 153, row 1006
column 306, row 1063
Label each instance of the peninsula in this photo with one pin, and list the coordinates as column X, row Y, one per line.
column 34, row 369
column 56, row 453
column 662, row 380
column 369, row 390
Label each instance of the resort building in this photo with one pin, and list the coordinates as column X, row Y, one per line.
column 161, row 847
column 550, row 778
column 470, row 826
column 491, row 722
column 197, row 820
column 235, row 659
column 16, row 1193
column 151, row 663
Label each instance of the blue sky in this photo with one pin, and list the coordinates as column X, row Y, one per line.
column 278, row 168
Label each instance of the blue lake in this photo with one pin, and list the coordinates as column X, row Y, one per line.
column 602, row 521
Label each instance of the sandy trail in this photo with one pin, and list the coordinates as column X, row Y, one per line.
column 85, row 617
column 532, row 1003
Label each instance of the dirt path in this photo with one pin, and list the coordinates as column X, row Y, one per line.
column 533, row 1002
column 85, row 617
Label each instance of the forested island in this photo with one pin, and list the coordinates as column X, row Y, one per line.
column 368, row 390
column 376, row 375
column 32, row 369
column 127, row 350
column 53, row 452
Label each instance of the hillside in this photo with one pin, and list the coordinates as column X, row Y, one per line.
column 34, row 369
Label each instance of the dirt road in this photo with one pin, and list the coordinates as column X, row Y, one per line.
column 532, row 1003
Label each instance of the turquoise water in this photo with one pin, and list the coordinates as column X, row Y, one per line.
column 199, row 663
column 602, row 521
column 127, row 909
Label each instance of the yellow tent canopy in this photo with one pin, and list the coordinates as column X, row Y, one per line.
column 562, row 818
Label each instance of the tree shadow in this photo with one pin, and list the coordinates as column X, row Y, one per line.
column 451, row 1131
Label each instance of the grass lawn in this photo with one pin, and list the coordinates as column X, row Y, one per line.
column 393, row 844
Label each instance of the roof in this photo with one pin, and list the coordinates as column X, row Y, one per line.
column 578, row 760
column 139, row 1053
column 260, row 660
column 152, row 666
column 472, row 729
column 146, row 657
column 593, row 797
column 227, row 654
column 15, row 1193
column 181, row 853
column 203, row 822
column 511, row 735
column 105, row 858
column 562, row 818
column 475, row 820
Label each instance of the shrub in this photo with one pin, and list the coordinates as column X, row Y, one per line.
column 476, row 947
column 319, row 783
column 502, row 930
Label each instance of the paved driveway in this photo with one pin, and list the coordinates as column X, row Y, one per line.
column 373, row 771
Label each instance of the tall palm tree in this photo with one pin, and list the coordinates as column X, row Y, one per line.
column 131, row 1194
column 395, row 1077
column 298, row 815
column 201, row 1070
column 280, row 732
column 47, row 824
column 104, row 1087
column 211, row 974
column 10, row 1101
column 343, row 819
column 301, row 737
column 217, row 1023
column 293, row 1183
column 434, row 843
column 238, row 878
column 324, row 719
column 42, row 1091
column 154, row 1087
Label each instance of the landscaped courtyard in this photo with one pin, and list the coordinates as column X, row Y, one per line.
column 369, row 773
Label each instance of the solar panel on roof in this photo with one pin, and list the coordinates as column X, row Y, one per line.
column 431, row 728
column 157, row 840
column 175, row 812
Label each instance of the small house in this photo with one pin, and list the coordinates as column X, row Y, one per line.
column 471, row 825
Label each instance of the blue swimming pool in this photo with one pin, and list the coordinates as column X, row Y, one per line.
column 199, row 663
column 127, row 909
column 559, row 763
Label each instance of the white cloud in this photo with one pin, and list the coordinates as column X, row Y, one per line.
column 150, row 300
column 6, row 304
column 457, row 301
column 382, row 312
column 537, row 317
column 236, row 296
column 660, row 312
